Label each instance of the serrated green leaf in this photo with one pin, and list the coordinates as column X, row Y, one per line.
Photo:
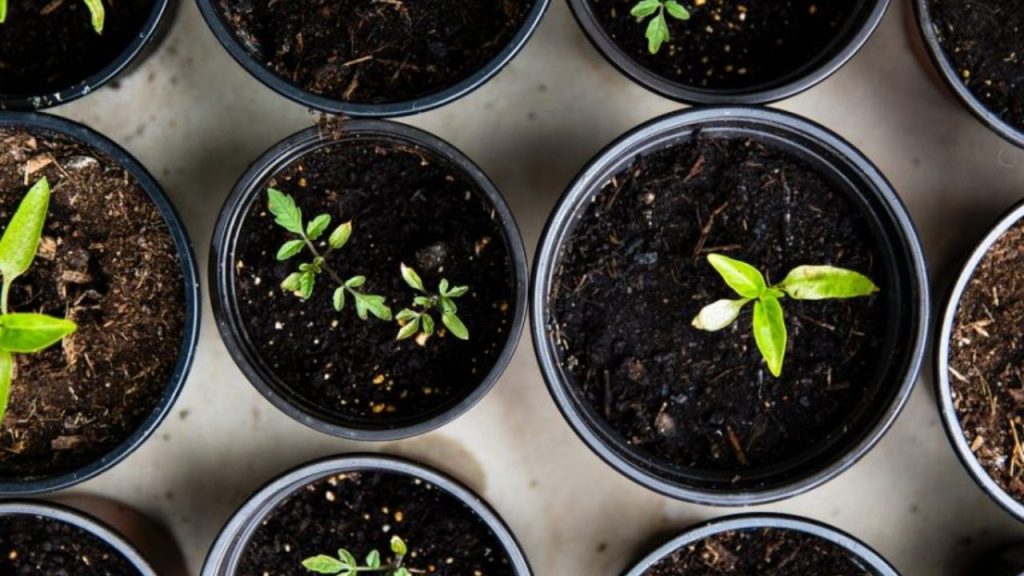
column 28, row 332
column 409, row 329
column 657, row 33
column 6, row 376
column 340, row 236
column 770, row 333
column 20, row 241
column 318, row 226
column 825, row 282
column 645, row 8
column 347, row 558
column 323, row 564
column 286, row 213
column 676, row 10
column 406, row 315
column 339, row 298
column 291, row 282
column 97, row 14
column 719, row 314
column 398, row 546
column 455, row 326
column 412, row 278
column 290, row 249
column 355, row 282
column 457, row 291
column 743, row 278
column 427, row 324
column 373, row 559
column 372, row 304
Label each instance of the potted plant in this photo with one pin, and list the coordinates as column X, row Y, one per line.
column 727, row 52
column 94, row 258
column 976, row 56
column 370, row 281
column 55, row 52
column 977, row 375
column 391, row 59
column 364, row 513
column 686, row 262
column 763, row 544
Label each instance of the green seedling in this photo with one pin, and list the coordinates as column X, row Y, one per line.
column 657, row 27
column 802, row 283
column 22, row 332
column 417, row 321
column 345, row 563
column 97, row 14
column 289, row 216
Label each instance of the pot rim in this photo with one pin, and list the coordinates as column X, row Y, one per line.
column 802, row 79
column 650, row 136
column 228, row 317
column 231, row 541
column 190, row 284
column 444, row 96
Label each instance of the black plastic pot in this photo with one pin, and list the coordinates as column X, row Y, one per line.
column 854, row 547
column 943, row 390
column 951, row 77
column 44, row 123
column 215, row 20
column 153, row 30
column 226, row 552
column 222, row 280
column 907, row 303
column 846, row 45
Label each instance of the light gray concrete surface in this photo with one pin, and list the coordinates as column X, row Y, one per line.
column 196, row 119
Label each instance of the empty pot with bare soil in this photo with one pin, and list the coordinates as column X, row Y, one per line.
column 979, row 370
column 373, row 59
column 99, row 307
column 369, row 279
column 763, row 544
column 729, row 305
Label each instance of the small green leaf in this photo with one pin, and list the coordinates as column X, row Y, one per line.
column 290, row 249
column 323, row 564
column 412, row 279
column 97, row 13
column 20, row 241
column 824, row 282
column 406, row 315
column 457, row 291
column 645, row 8
column 372, row 304
column 6, row 375
column 286, row 214
column 657, row 33
column 306, row 280
column 422, row 301
column 442, row 287
column 427, row 323
column 339, row 298
column 676, row 10
column 340, row 236
column 455, row 326
column 355, row 282
column 291, row 283
column 409, row 329
column 398, row 546
column 403, row 571
column 347, row 558
column 743, row 278
column 447, row 305
column 770, row 333
column 318, row 226
column 28, row 332
column 3, row 11
column 718, row 315
column 373, row 559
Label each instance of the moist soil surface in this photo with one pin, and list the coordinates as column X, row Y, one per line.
column 731, row 44
column 374, row 52
column 406, row 206
column 106, row 261
column 986, row 362
column 634, row 274
column 37, row 546
column 47, row 46
column 765, row 552
column 984, row 40
column 361, row 512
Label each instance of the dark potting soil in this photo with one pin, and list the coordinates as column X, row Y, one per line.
column 361, row 512
column 634, row 274
column 731, row 44
column 407, row 206
column 37, row 546
column 986, row 362
column 765, row 552
column 374, row 52
column 106, row 261
column 984, row 40
column 47, row 45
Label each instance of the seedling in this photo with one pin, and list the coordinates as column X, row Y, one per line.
column 417, row 321
column 345, row 564
column 802, row 283
column 289, row 216
column 96, row 13
column 23, row 332
column 657, row 28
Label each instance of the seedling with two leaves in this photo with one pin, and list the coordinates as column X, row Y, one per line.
column 657, row 28
column 345, row 564
column 417, row 321
column 769, row 325
column 24, row 332
column 97, row 14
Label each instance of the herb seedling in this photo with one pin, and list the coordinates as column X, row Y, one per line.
column 417, row 320
column 289, row 216
column 802, row 283
column 346, row 564
column 97, row 14
column 22, row 332
column 657, row 29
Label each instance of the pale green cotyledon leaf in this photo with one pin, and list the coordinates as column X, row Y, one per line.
column 770, row 333
column 743, row 278
column 29, row 332
column 826, row 282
